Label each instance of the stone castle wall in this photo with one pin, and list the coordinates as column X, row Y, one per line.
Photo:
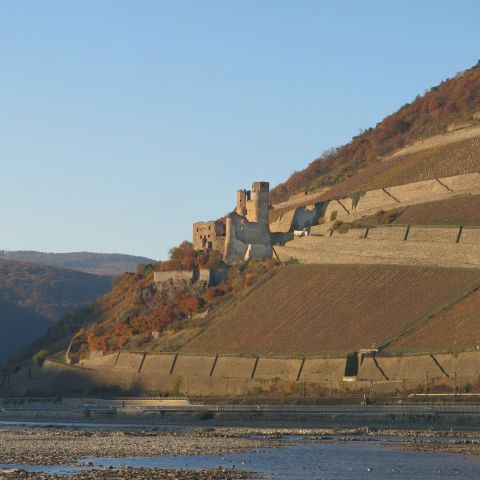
column 186, row 275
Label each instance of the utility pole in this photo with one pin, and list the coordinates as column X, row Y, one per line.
column 426, row 382
column 455, row 382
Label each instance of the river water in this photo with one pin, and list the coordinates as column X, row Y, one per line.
column 305, row 460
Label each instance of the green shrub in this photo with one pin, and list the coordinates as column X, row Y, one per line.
column 333, row 216
column 356, row 198
column 40, row 357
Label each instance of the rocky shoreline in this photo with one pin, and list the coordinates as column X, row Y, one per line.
column 133, row 474
column 59, row 446
column 68, row 446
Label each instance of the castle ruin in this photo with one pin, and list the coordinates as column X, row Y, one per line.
column 244, row 234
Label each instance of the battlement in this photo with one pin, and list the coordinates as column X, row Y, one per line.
column 253, row 204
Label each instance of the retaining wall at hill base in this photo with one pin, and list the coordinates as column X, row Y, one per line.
column 229, row 375
column 470, row 235
column 410, row 367
column 235, row 367
column 194, row 365
column 369, row 370
column 318, row 370
column 129, row 361
column 98, row 360
column 284, row 369
column 158, row 364
column 465, row 364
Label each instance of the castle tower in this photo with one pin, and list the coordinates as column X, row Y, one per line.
column 242, row 197
column 257, row 206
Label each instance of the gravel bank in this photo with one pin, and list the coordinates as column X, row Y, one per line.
column 53, row 446
column 67, row 446
column 134, row 474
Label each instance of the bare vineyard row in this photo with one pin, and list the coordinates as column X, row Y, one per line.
column 315, row 309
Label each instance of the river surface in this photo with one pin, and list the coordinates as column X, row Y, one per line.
column 305, row 460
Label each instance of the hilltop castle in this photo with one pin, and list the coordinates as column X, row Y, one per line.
column 245, row 234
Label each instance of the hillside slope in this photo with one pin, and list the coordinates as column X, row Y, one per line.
column 455, row 330
column 95, row 263
column 309, row 310
column 51, row 292
column 453, row 101
column 457, row 211
column 34, row 297
column 18, row 326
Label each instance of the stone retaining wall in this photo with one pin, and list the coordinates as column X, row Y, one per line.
column 284, row 369
column 374, row 199
column 403, row 195
column 230, row 375
column 386, row 245
column 186, row 275
column 412, row 192
column 234, row 367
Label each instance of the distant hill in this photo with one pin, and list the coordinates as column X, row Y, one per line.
column 49, row 291
column 18, row 326
column 96, row 263
column 34, row 297
column 452, row 105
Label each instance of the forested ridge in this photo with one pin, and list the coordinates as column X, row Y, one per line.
column 33, row 297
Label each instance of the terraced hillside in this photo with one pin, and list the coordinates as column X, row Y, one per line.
column 455, row 211
column 453, row 330
column 443, row 161
column 445, row 109
column 309, row 310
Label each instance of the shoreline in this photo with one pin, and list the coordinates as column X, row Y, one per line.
column 53, row 445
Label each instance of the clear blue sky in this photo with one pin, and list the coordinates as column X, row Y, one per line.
column 122, row 122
